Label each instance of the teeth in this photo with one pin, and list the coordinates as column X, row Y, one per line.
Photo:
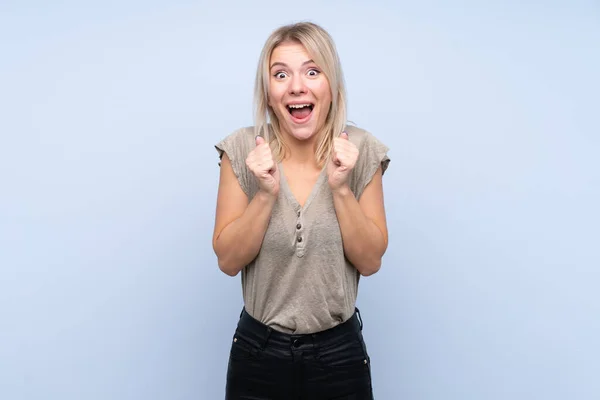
column 298, row 105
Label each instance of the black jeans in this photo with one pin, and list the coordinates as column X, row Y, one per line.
column 267, row 364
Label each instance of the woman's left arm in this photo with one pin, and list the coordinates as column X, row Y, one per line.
column 363, row 224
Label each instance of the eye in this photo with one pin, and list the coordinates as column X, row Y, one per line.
column 313, row 72
column 280, row 75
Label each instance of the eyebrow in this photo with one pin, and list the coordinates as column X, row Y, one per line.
column 282, row 64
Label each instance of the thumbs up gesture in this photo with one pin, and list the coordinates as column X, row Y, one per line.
column 342, row 161
column 260, row 162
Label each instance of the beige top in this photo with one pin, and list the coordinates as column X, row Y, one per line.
column 301, row 282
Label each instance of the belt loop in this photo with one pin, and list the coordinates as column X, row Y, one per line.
column 315, row 341
column 266, row 339
column 359, row 318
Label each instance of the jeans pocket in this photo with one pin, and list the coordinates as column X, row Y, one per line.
column 243, row 349
column 348, row 353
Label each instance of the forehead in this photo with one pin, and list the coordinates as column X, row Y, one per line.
column 290, row 53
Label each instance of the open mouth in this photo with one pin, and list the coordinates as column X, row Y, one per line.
column 300, row 112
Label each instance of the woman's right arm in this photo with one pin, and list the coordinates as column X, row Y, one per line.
column 240, row 225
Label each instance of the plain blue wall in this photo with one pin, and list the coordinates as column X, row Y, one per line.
column 109, row 111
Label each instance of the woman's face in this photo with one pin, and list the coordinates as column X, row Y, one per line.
column 299, row 92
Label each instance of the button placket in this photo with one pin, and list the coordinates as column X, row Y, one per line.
column 300, row 239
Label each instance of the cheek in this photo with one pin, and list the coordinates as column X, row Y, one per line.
column 276, row 91
column 324, row 97
column 275, row 95
column 323, row 91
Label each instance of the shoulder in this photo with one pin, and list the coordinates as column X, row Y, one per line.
column 237, row 144
column 356, row 134
column 372, row 151
column 372, row 154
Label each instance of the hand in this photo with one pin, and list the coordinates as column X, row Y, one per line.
column 260, row 162
column 342, row 161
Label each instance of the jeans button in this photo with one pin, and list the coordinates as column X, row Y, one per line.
column 297, row 343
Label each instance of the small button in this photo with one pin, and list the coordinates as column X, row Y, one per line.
column 298, row 213
column 297, row 343
column 299, row 239
column 298, row 226
column 234, row 340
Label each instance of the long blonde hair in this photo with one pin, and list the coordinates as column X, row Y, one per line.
column 319, row 44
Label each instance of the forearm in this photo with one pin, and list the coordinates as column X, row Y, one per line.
column 364, row 242
column 240, row 241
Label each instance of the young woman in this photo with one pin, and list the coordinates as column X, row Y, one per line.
column 300, row 213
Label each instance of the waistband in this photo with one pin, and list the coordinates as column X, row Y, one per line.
column 263, row 335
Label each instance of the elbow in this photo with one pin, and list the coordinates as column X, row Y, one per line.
column 230, row 272
column 226, row 264
column 369, row 260
column 368, row 272
column 227, row 267
column 370, row 268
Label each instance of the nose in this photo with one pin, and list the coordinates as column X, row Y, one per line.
column 297, row 85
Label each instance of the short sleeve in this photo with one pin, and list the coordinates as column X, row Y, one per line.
column 372, row 155
column 237, row 146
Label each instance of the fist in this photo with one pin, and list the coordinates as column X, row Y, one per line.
column 342, row 161
column 260, row 162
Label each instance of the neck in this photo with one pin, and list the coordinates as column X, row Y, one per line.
column 301, row 151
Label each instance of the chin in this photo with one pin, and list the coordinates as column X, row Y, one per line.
column 302, row 133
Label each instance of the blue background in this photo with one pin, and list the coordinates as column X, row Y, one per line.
column 109, row 288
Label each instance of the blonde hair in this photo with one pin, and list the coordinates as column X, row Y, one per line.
column 320, row 46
